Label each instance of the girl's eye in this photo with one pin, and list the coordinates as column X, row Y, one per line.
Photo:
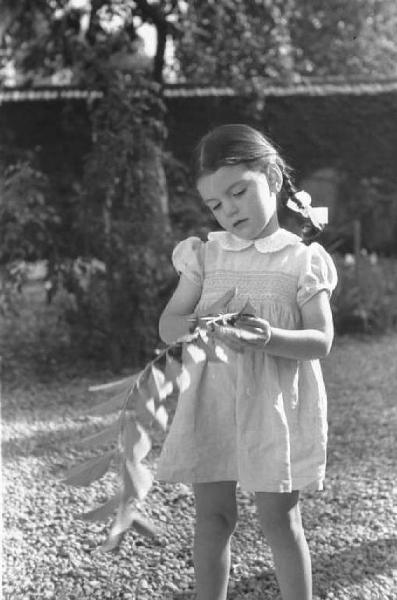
column 216, row 206
column 240, row 192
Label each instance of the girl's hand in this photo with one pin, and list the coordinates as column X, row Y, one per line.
column 246, row 331
column 224, row 333
column 253, row 331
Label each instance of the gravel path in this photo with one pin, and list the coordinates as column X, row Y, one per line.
column 350, row 526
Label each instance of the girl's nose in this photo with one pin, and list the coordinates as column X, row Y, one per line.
column 230, row 208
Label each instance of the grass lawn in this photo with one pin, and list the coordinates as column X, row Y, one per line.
column 351, row 526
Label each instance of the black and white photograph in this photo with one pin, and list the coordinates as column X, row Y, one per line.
column 198, row 299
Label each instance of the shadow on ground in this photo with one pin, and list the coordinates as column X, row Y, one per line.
column 331, row 572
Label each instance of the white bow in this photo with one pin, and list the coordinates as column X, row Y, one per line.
column 318, row 215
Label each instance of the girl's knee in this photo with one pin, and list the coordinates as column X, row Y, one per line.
column 278, row 526
column 216, row 507
column 281, row 519
column 217, row 523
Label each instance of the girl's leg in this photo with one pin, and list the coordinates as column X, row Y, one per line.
column 216, row 517
column 281, row 522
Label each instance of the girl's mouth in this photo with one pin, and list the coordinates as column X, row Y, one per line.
column 239, row 222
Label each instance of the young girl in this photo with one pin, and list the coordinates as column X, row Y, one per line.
column 260, row 418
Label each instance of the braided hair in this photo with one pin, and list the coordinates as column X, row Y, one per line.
column 234, row 144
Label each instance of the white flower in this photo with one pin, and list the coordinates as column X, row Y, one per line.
column 349, row 260
column 373, row 258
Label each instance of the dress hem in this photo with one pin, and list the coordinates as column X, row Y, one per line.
column 315, row 484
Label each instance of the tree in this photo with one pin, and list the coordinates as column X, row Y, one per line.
column 277, row 40
column 122, row 212
column 257, row 45
column 50, row 40
column 346, row 38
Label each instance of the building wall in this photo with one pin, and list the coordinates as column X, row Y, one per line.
column 332, row 142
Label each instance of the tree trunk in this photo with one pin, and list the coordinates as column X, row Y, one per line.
column 115, row 353
column 154, row 189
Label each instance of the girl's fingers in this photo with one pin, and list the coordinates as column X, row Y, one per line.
column 240, row 339
column 253, row 324
column 250, row 320
column 229, row 337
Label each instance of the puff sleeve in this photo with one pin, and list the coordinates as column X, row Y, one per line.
column 187, row 259
column 318, row 273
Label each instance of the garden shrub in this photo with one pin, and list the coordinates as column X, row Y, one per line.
column 365, row 299
column 188, row 214
column 28, row 224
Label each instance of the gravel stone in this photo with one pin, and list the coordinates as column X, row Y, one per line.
column 350, row 526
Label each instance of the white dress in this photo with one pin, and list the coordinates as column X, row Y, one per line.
column 258, row 419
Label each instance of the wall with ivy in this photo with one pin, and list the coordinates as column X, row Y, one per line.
column 354, row 135
column 358, row 133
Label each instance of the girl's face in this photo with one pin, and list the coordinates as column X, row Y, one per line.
column 241, row 200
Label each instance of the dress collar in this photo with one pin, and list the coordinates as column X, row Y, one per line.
column 271, row 243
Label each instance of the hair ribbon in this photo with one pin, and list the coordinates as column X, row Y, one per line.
column 318, row 215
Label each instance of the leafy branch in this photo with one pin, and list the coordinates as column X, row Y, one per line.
column 140, row 399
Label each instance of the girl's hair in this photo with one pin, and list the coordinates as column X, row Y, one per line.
column 234, row 144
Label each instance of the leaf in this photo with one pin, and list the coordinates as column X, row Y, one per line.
column 138, row 479
column 173, row 368
column 184, row 379
column 133, row 397
column 112, row 542
column 127, row 517
column 111, row 405
column 145, row 527
column 124, row 518
column 121, row 384
column 247, row 309
column 215, row 352
column 190, row 337
column 102, row 512
column 147, row 412
column 91, row 470
column 221, row 354
column 145, row 407
column 208, row 344
column 123, row 521
column 158, row 385
column 196, row 352
column 136, row 441
column 161, row 417
column 102, row 437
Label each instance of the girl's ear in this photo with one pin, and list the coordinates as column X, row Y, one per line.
column 275, row 178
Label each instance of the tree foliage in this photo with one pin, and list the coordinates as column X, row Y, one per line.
column 345, row 38
column 257, row 44
column 272, row 39
column 51, row 40
column 266, row 39
column 28, row 224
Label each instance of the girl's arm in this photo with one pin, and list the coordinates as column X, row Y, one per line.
column 178, row 316
column 174, row 321
column 315, row 338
